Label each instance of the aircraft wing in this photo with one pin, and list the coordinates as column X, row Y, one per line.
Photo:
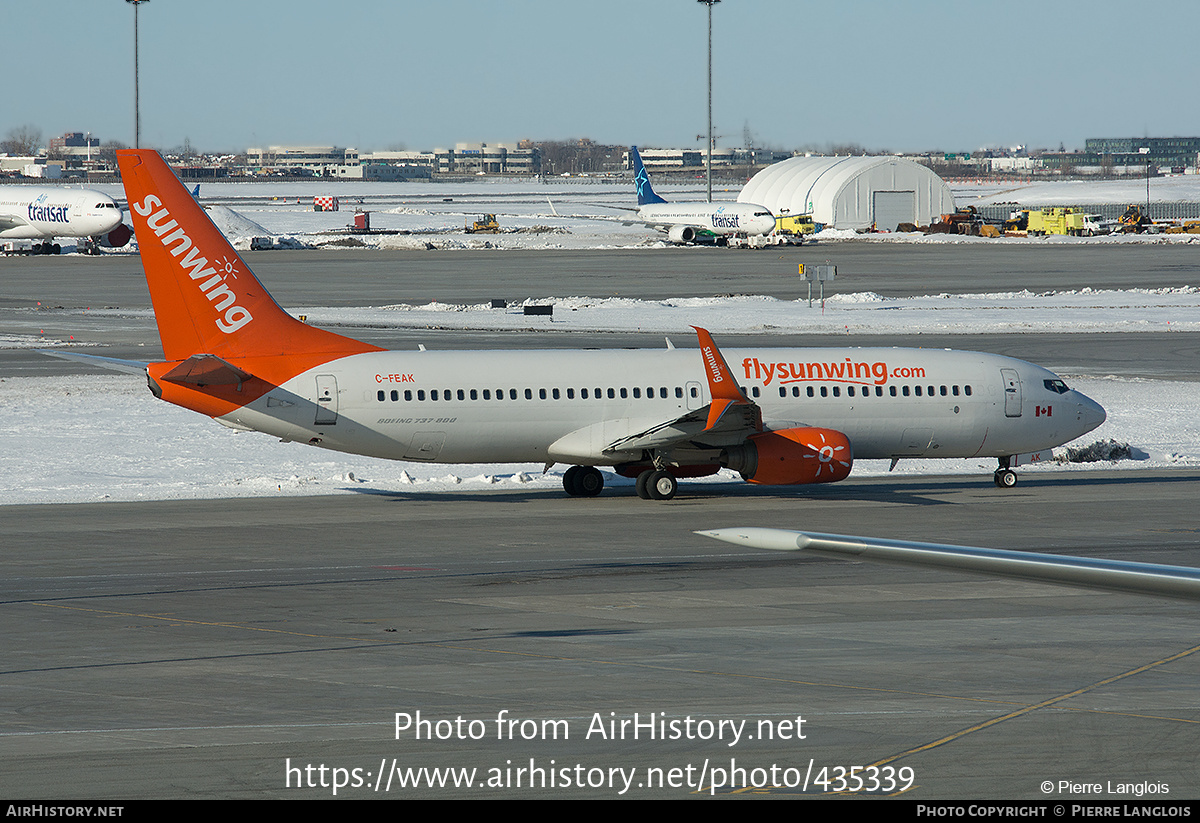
column 732, row 426
column 11, row 221
column 1084, row 572
column 728, row 420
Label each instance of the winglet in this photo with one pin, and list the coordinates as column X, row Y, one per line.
column 645, row 192
column 722, row 388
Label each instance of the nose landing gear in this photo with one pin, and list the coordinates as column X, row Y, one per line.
column 1005, row 477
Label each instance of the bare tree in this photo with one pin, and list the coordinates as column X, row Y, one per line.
column 108, row 152
column 22, row 141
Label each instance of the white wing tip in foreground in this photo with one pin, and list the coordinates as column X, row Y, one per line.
column 760, row 538
column 1084, row 572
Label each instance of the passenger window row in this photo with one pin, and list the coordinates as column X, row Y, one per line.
column 599, row 393
column 893, row 391
column 651, row 393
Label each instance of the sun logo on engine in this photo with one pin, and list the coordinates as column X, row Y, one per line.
column 826, row 454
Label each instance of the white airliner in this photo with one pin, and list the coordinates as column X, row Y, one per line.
column 777, row 416
column 44, row 213
column 697, row 222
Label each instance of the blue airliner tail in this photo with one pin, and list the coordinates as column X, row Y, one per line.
column 645, row 192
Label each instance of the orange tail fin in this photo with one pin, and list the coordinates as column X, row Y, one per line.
column 206, row 299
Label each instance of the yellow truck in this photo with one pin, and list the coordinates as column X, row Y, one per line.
column 795, row 224
column 1063, row 221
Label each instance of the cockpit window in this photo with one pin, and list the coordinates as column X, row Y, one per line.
column 1056, row 386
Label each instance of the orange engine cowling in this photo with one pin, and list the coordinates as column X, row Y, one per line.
column 792, row 456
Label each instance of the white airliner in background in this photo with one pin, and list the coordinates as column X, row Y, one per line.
column 697, row 222
column 44, row 212
column 777, row 416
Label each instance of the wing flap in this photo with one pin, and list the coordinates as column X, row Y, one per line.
column 727, row 420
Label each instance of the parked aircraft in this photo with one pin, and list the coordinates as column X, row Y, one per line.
column 43, row 213
column 697, row 222
column 780, row 416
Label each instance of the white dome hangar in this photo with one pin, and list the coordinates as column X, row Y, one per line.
column 851, row 192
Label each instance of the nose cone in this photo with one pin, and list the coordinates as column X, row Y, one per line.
column 107, row 219
column 1091, row 413
column 764, row 225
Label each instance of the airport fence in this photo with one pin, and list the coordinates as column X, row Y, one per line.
column 1110, row 211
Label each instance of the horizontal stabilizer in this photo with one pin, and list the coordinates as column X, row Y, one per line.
column 207, row 370
column 1084, row 572
column 111, row 363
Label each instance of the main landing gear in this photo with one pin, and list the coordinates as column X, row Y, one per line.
column 656, row 484
column 1005, row 477
column 652, row 484
column 583, row 481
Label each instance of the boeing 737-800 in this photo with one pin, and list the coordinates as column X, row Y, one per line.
column 777, row 416
column 694, row 222
column 44, row 213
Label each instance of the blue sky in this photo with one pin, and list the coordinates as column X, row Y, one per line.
column 375, row 74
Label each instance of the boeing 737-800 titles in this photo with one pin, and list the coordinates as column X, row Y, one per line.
column 777, row 416
column 43, row 213
column 695, row 222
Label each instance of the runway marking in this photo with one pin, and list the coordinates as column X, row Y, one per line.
column 950, row 738
column 184, row 620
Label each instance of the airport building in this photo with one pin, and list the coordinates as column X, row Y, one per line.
column 488, row 158
column 74, row 149
column 1128, row 155
column 684, row 159
column 851, row 192
column 397, row 165
column 320, row 161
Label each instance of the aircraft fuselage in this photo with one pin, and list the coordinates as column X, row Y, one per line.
column 570, row 406
column 46, row 212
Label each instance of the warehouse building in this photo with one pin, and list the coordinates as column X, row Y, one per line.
column 851, row 192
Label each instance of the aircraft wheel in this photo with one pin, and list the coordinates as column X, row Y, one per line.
column 643, row 481
column 1006, row 478
column 661, row 485
column 589, row 482
column 571, row 480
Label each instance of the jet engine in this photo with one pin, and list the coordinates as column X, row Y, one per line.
column 117, row 238
column 681, row 234
column 792, row 456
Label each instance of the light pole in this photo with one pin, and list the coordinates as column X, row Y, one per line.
column 137, row 121
column 708, row 173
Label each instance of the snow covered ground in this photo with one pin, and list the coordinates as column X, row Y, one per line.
column 1080, row 311
column 592, row 214
column 95, row 438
